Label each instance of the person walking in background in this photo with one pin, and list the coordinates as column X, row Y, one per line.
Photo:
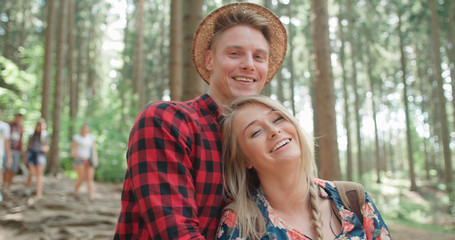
column 5, row 153
column 173, row 186
column 16, row 150
column 270, row 175
column 85, row 160
column 37, row 147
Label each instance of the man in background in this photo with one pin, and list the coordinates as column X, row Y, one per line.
column 16, row 150
column 5, row 153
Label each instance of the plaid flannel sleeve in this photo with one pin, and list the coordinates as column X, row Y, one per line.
column 159, row 193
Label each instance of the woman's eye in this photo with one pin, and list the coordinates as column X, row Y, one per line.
column 255, row 133
column 278, row 119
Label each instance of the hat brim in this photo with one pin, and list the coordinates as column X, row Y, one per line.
column 204, row 34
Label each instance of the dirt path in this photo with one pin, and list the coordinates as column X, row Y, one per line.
column 59, row 215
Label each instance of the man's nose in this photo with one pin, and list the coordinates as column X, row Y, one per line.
column 248, row 62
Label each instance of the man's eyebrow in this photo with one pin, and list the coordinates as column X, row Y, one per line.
column 240, row 47
column 253, row 122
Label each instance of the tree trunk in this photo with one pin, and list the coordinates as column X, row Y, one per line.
column 138, row 64
column 291, row 59
column 442, row 102
column 47, row 71
column 91, row 60
column 421, row 82
column 451, row 47
column 79, row 64
column 54, row 163
column 324, row 92
column 267, row 90
column 176, row 65
column 193, row 86
column 72, row 81
column 347, row 121
column 374, row 110
column 125, row 81
column 355, row 86
column 412, row 178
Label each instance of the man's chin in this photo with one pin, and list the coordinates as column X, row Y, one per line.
column 244, row 93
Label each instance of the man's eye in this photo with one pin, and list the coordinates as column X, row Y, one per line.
column 261, row 57
column 234, row 53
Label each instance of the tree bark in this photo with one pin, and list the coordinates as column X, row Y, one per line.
column 291, row 58
column 193, row 85
column 176, row 63
column 54, row 163
column 451, row 48
column 138, row 65
column 412, row 177
column 421, row 81
column 47, row 71
column 71, row 80
column 448, row 177
column 355, row 87
column 374, row 110
column 347, row 121
column 324, row 92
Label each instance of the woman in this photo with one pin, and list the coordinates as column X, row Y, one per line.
column 269, row 172
column 37, row 147
column 85, row 159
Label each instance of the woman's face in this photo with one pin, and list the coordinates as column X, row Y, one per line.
column 268, row 140
column 84, row 130
column 38, row 127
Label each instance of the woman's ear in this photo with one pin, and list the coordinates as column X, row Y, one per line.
column 248, row 164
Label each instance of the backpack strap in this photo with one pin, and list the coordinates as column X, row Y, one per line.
column 352, row 196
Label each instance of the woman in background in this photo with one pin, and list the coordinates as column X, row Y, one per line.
column 85, row 159
column 37, row 147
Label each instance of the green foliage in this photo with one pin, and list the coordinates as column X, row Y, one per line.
column 426, row 206
column 28, row 100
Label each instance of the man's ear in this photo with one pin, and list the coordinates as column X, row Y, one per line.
column 209, row 60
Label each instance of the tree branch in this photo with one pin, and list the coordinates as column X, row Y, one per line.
column 8, row 86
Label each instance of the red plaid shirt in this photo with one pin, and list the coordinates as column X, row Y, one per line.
column 173, row 184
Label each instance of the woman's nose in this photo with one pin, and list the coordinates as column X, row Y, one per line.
column 274, row 131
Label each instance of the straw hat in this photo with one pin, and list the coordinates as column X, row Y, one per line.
column 204, row 34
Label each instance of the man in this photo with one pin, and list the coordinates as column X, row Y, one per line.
column 173, row 187
column 16, row 150
column 5, row 154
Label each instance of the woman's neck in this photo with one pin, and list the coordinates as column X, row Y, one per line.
column 286, row 193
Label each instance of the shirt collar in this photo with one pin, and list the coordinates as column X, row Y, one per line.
column 209, row 105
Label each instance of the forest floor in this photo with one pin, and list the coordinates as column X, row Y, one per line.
column 59, row 215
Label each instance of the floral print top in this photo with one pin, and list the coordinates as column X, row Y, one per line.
column 373, row 227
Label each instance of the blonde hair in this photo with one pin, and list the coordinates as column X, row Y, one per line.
column 238, row 17
column 239, row 181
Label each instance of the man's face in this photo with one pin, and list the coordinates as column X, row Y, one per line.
column 18, row 119
column 238, row 63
